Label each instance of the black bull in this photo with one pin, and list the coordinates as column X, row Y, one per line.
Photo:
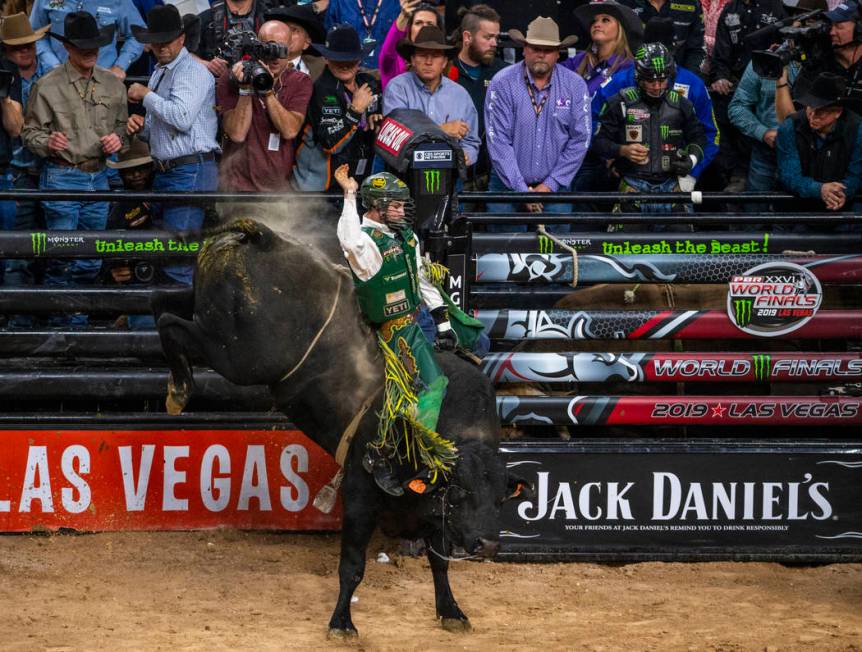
column 261, row 309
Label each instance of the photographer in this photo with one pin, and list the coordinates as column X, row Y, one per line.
column 820, row 148
column 263, row 105
column 845, row 37
column 223, row 18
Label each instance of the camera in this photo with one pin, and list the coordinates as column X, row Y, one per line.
column 239, row 45
column 808, row 43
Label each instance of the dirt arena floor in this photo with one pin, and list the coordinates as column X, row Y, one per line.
column 228, row 590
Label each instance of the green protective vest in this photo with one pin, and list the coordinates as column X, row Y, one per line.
column 394, row 290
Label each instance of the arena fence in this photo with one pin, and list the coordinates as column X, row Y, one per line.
column 745, row 446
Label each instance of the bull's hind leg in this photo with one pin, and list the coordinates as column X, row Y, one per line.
column 361, row 500
column 179, row 338
column 448, row 611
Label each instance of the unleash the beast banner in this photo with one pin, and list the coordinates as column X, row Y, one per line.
column 687, row 498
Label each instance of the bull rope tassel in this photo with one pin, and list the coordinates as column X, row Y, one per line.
column 422, row 445
column 541, row 230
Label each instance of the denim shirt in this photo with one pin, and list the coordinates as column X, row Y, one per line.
column 21, row 156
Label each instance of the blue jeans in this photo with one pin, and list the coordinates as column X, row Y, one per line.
column 670, row 185
column 762, row 171
column 7, row 216
column 28, row 217
column 73, row 216
column 200, row 177
column 495, row 184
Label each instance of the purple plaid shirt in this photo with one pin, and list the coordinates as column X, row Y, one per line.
column 525, row 149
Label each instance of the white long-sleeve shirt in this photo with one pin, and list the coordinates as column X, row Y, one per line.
column 365, row 258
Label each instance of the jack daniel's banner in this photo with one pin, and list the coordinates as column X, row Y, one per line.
column 643, row 497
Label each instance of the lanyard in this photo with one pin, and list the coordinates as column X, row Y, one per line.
column 369, row 25
column 537, row 107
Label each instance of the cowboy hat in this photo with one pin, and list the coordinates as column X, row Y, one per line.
column 827, row 89
column 301, row 15
column 542, row 32
column 631, row 24
column 164, row 24
column 428, row 38
column 81, row 31
column 16, row 30
column 137, row 155
column 343, row 44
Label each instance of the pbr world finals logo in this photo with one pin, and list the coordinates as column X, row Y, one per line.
column 773, row 299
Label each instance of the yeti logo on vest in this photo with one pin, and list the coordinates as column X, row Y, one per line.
column 392, row 136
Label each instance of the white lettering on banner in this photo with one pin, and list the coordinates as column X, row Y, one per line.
column 584, row 501
column 290, row 453
column 215, row 491
column 563, row 501
column 255, row 464
column 67, row 464
column 37, row 466
column 135, row 491
column 173, row 477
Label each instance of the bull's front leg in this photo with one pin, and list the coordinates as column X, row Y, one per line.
column 361, row 506
column 448, row 611
column 180, row 338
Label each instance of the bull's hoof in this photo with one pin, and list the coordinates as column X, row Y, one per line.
column 456, row 625
column 342, row 634
column 173, row 405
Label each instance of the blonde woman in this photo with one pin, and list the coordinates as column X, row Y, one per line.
column 615, row 32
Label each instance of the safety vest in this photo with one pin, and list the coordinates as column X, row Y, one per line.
column 394, row 290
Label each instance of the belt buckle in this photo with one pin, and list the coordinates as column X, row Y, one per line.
column 162, row 166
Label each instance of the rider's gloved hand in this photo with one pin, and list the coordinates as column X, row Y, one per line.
column 682, row 163
column 446, row 339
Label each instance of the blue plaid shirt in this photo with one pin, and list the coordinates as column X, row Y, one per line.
column 181, row 118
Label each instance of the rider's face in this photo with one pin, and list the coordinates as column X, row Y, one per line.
column 395, row 210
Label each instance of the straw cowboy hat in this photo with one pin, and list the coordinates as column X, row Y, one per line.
column 16, row 30
column 429, row 37
column 81, row 30
column 544, row 33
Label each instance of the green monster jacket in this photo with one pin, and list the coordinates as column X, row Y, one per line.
column 394, row 290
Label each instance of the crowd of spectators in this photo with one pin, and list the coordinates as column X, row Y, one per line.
column 273, row 95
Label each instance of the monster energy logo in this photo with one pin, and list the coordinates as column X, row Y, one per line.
column 762, row 366
column 742, row 311
column 432, row 180
column 39, row 242
column 665, row 131
column 546, row 245
column 658, row 64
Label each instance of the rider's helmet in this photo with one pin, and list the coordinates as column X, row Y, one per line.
column 384, row 190
column 654, row 62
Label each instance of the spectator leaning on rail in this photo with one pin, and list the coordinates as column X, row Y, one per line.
column 19, row 47
column 180, row 124
column 651, row 133
column 414, row 16
column 689, row 44
column 342, row 115
column 474, row 68
column 76, row 117
column 684, row 82
column 119, row 15
column 426, row 89
column 371, row 19
column 538, row 119
column 305, row 27
column 820, row 148
column 261, row 123
column 12, row 121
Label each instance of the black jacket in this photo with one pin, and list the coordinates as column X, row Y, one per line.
column 664, row 128
column 738, row 19
column 688, row 30
column 830, row 161
column 336, row 131
column 215, row 25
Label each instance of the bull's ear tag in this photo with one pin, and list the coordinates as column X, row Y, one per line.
column 417, row 486
column 518, row 489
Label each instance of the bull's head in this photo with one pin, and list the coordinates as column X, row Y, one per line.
column 467, row 505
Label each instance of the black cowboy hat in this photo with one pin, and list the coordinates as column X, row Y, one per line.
column 343, row 44
column 164, row 24
column 81, row 30
column 428, row 38
column 631, row 24
column 192, row 29
column 301, row 15
column 826, row 90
